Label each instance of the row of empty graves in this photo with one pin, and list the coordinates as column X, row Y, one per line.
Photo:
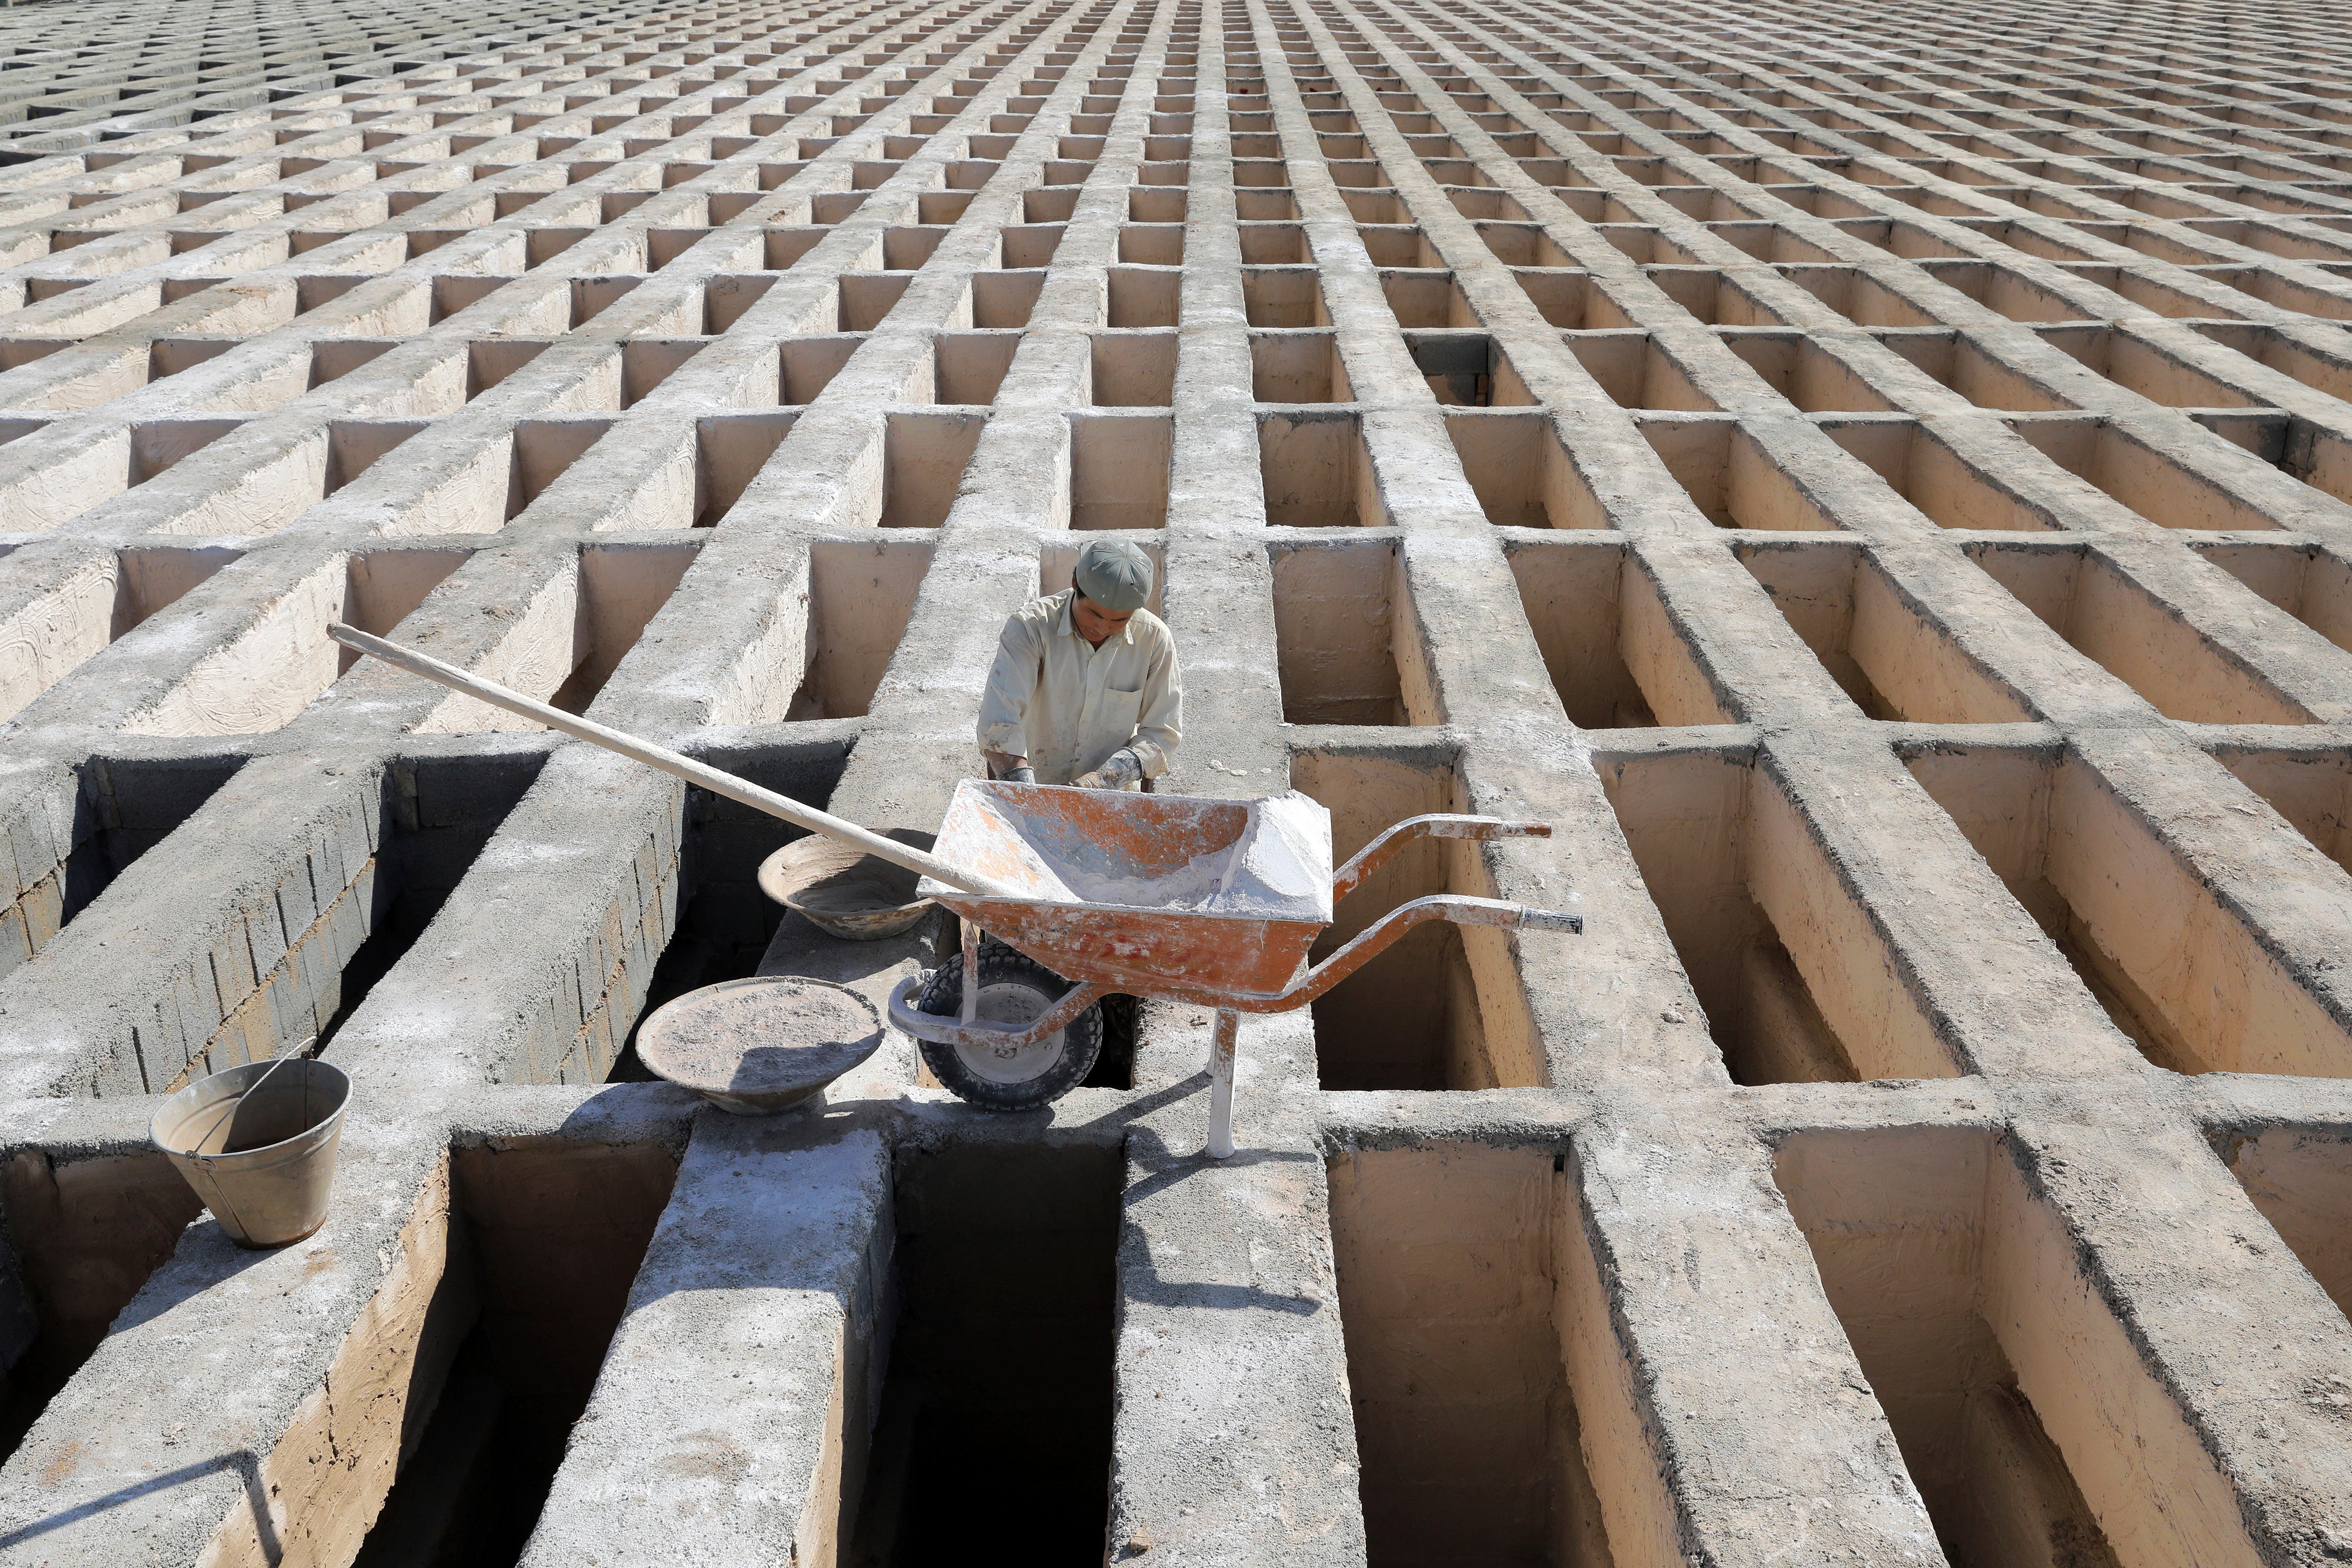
column 1877, row 482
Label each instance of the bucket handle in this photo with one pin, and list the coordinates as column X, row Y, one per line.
column 249, row 1090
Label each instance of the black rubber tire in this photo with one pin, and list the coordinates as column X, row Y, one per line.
column 1082, row 1039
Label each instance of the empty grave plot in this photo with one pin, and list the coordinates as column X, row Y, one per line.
column 996, row 1411
column 435, row 819
column 1315, row 472
column 2156, row 486
column 2307, row 787
column 1615, row 657
column 52, row 621
column 2309, row 584
column 2150, row 645
column 1336, row 609
column 281, row 659
column 1522, row 474
column 1440, row 1009
column 86, row 1232
column 1875, row 640
column 2301, row 1178
column 562, row 640
column 1991, row 1373
column 1635, row 373
column 1923, row 466
column 2158, row 940
column 1796, row 981
column 117, row 811
column 1730, row 475
column 853, row 614
column 1120, row 467
column 1459, row 1292
column 534, row 1247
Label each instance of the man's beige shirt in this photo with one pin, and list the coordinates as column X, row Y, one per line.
column 1067, row 706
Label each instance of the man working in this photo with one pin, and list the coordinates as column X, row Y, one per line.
column 1085, row 689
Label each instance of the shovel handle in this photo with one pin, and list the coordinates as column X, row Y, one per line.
column 667, row 761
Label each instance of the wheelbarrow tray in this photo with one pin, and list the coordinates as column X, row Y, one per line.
column 1140, row 892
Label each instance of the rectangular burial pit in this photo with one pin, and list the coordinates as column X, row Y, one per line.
column 2111, row 620
column 86, row 1230
column 86, row 607
column 1805, row 372
column 120, row 809
column 1335, row 611
column 1120, row 467
column 1797, row 983
column 283, row 660
column 994, row 1422
column 2312, row 789
column 1729, row 473
column 1134, row 369
column 437, row 813
column 544, row 1241
column 1316, row 472
column 2301, row 1178
column 861, row 594
column 967, row 367
column 1458, row 1328
column 2175, row 967
column 565, row 642
column 1880, row 645
column 1951, row 358
column 2304, row 580
column 277, row 490
column 1943, row 487
column 729, row 451
column 2135, row 475
column 1522, row 474
column 2023, row 1409
column 1612, row 652
column 1636, row 374
column 1442, row 1008
column 1299, row 366
column 923, row 460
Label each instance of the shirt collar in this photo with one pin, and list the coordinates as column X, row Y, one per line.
column 1069, row 628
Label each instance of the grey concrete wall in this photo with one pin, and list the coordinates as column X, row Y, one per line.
column 1874, row 479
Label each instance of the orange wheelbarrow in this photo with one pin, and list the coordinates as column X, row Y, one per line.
column 1211, row 902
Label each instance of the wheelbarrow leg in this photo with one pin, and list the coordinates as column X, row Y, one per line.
column 1221, row 1083
column 971, row 971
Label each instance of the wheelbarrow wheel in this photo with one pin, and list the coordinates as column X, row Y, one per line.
column 1014, row 989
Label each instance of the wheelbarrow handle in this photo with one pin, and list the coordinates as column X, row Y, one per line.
column 1433, row 824
column 1459, row 907
column 1357, row 951
column 667, row 761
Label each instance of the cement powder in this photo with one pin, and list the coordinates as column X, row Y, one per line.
column 1282, row 865
column 1278, row 868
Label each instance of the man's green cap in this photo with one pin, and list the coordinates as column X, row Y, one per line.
column 1116, row 575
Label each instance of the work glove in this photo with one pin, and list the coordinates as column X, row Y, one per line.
column 1121, row 768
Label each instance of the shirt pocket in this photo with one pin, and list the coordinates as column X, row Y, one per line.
column 1119, row 710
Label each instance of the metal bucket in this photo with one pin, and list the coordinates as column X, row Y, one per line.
column 262, row 1164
